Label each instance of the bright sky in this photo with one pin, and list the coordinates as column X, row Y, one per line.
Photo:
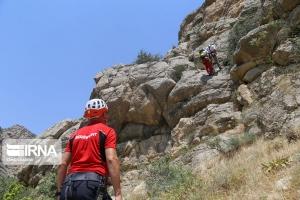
column 50, row 50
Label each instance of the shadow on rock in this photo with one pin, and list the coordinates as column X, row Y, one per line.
column 205, row 78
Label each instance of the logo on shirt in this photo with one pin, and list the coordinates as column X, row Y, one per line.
column 85, row 137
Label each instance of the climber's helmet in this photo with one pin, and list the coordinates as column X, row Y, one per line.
column 211, row 48
column 95, row 108
column 203, row 54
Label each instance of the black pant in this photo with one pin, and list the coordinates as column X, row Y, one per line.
column 81, row 188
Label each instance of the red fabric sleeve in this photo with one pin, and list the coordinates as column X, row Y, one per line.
column 111, row 139
column 68, row 149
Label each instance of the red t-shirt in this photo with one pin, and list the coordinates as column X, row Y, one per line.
column 208, row 65
column 85, row 149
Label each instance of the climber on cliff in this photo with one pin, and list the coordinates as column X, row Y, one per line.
column 206, row 61
column 91, row 156
column 208, row 56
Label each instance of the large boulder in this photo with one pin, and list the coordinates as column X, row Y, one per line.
column 137, row 131
column 252, row 74
column 287, row 53
column 138, row 93
column 144, row 108
column 213, row 120
column 118, row 101
column 183, row 130
column 198, row 158
column 288, row 5
column 275, row 93
column 258, row 44
column 292, row 127
column 191, row 95
column 250, row 18
column 160, row 88
column 238, row 71
column 220, row 118
column 153, row 145
column 294, row 18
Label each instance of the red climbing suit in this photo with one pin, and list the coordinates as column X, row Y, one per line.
column 208, row 65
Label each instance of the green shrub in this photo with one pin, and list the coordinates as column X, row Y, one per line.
column 235, row 143
column 5, row 183
column 178, row 72
column 11, row 189
column 214, row 143
column 248, row 138
column 166, row 178
column 144, row 57
column 275, row 165
column 47, row 185
column 14, row 190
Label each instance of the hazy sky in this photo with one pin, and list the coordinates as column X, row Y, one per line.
column 50, row 50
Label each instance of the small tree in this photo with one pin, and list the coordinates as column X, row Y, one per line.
column 144, row 57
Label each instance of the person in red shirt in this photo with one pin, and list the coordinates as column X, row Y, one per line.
column 207, row 62
column 90, row 156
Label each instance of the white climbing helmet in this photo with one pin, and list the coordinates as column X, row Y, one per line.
column 95, row 108
column 211, row 48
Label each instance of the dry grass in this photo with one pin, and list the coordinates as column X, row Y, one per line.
column 243, row 176
column 293, row 192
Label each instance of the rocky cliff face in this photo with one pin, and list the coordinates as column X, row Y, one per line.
column 258, row 41
column 164, row 107
column 169, row 106
column 14, row 132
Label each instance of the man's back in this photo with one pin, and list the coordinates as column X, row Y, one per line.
column 85, row 147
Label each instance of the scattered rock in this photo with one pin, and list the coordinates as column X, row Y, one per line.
column 252, row 74
column 238, row 72
column 286, row 53
column 140, row 191
column 292, row 126
column 244, row 95
column 283, row 184
column 183, row 129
